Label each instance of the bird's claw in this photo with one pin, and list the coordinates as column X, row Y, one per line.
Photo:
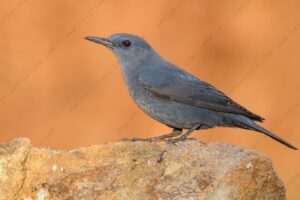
column 130, row 139
column 174, row 141
column 156, row 139
column 124, row 140
column 140, row 139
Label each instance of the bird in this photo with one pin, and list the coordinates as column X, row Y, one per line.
column 174, row 97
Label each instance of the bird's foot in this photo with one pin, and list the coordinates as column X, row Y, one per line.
column 153, row 139
column 184, row 136
column 161, row 138
column 130, row 139
column 179, row 139
column 156, row 139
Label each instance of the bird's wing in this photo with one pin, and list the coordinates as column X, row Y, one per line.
column 185, row 88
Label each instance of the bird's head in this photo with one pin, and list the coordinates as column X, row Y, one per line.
column 125, row 46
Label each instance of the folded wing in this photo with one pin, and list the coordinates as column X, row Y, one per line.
column 187, row 89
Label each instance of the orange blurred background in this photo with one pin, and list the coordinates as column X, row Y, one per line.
column 62, row 91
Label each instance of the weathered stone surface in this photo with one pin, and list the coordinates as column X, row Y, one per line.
column 137, row 170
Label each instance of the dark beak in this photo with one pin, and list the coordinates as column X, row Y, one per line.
column 100, row 40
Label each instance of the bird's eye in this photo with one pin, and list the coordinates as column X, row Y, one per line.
column 126, row 43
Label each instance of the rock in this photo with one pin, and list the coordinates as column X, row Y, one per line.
column 137, row 170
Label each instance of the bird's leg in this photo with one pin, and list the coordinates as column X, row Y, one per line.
column 185, row 135
column 176, row 132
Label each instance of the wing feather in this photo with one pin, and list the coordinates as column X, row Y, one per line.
column 187, row 89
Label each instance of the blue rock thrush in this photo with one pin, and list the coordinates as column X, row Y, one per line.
column 174, row 97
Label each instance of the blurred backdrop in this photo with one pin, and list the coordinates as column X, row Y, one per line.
column 62, row 91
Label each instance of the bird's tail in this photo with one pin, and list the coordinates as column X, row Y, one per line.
column 249, row 124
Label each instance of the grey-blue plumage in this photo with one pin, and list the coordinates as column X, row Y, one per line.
column 171, row 95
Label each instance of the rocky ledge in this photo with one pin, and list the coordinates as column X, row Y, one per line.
column 137, row 170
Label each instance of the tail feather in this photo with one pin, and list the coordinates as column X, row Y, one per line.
column 275, row 137
column 253, row 126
